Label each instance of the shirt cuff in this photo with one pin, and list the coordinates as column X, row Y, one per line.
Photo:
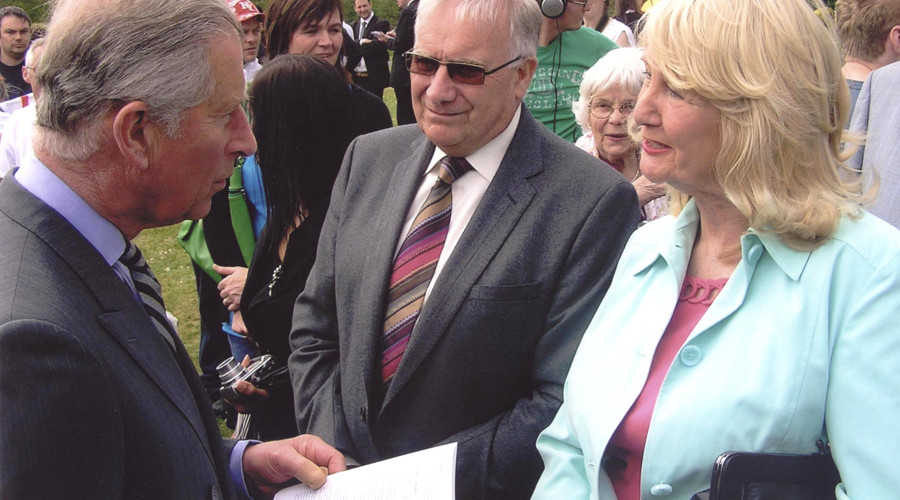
column 236, row 469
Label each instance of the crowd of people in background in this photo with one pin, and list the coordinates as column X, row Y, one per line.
column 599, row 244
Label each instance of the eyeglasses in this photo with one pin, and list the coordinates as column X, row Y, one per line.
column 604, row 110
column 580, row 3
column 467, row 73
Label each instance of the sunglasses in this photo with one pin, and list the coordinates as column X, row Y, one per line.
column 467, row 73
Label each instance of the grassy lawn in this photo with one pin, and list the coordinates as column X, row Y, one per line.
column 172, row 267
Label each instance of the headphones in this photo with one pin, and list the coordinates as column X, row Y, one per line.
column 553, row 8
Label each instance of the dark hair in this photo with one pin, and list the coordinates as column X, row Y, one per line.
column 604, row 19
column 283, row 17
column 301, row 120
column 12, row 10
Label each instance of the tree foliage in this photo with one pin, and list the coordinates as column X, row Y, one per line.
column 38, row 10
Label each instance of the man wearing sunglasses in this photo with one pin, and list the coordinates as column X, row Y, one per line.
column 412, row 333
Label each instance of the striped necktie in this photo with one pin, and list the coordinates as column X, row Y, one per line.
column 149, row 291
column 414, row 266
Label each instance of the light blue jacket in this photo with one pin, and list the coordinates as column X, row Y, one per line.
column 796, row 343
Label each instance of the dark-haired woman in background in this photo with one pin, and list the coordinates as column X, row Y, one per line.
column 316, row 27
column 598, row 18
column 302, row 121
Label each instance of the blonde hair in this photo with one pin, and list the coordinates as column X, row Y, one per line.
column 772, row 69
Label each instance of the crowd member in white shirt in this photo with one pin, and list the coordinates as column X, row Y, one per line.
column 251, row 23
column 599, row 19
column 15, row 142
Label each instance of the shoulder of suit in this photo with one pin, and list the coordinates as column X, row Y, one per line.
column 565, row 160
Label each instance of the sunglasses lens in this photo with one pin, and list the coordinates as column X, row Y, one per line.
column 422, row 65
column 466, row 73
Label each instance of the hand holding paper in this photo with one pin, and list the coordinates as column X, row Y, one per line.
column 270, row 465
column 424, row 475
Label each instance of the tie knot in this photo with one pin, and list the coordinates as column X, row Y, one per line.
column 453, row 168
column 132, row 256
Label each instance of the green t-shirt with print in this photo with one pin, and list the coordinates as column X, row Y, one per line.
column 558, row 76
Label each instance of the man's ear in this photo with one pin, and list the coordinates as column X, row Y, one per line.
column 894, row 42
column 134, row 134
column 524, row 74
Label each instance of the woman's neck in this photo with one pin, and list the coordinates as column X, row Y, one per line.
column 717, row 246
column 627, row 165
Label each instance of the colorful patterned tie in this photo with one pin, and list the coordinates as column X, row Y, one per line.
column 414, row 266
column 149, row 290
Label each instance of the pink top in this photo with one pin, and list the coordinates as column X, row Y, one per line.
column 625, row 451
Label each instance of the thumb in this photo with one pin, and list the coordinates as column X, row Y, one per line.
column 223, row 270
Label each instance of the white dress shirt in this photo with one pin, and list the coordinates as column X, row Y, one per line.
column 467, row 191
column 361, row 67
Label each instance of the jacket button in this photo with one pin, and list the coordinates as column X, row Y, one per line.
column 362, row 414
column 691, row 355
column 215, row 494
column 661, row 489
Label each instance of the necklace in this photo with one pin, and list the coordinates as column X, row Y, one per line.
column 596, row 153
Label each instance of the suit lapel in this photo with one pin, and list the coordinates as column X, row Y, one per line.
column 500, row 209
column 124, row 318
column 364, row 360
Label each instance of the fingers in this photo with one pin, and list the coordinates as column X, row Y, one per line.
column 246, row 389
column 237, row 323
column 322, row 460
column 302, row 457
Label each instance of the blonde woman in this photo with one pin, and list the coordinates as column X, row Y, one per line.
column 763, row 317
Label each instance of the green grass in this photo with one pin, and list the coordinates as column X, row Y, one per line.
column 172, row 268
column 390, row 99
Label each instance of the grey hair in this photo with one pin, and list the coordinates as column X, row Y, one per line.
column 29, row 55
column 99, row 57
column 622, row 67
column 523, row 16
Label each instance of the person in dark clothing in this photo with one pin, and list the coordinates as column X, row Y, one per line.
column 400, row 40
column 15, row 36
column 302, row 123
column 315, row 27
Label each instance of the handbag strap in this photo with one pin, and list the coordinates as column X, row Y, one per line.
column 240, row 213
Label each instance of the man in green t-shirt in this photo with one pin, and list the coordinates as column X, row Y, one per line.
column 565, row 51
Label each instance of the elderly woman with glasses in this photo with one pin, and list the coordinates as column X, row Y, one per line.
column 608, row 93
column 761, row 316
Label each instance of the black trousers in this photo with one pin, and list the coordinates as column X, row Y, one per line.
column 369, row 83
column 405, row 115
column 214, row 347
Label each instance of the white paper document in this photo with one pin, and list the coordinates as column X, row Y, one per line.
column 427, row 475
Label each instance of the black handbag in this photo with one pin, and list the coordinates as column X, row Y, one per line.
column 773, row 476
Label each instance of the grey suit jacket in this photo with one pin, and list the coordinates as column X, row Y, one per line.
column 490, row 351
column 93, row 403
column 877, row 115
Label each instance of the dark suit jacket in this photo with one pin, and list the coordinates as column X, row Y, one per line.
column 93, row 403
column 488, row 356
column 374, row 53
column 404, row 41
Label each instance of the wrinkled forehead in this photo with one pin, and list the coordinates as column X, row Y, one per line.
column 456, row 36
